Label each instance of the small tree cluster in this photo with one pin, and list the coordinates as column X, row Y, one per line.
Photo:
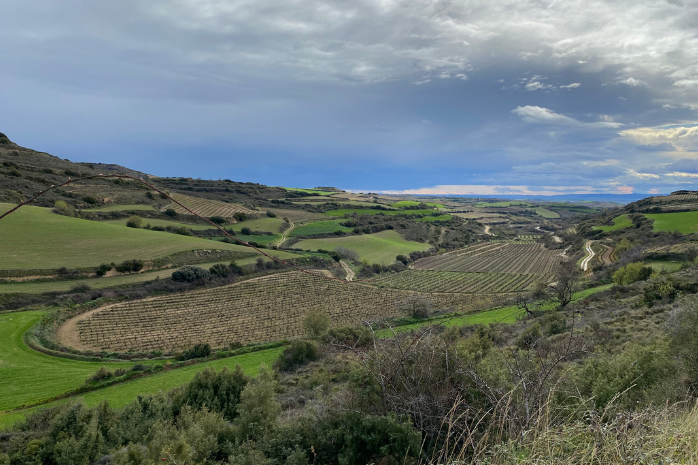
column 189, row 274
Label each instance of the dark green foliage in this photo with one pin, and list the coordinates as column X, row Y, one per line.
column 189, row 274
column 683, row 329
column 197, row 351
column 150, row 195
column 217, row 391
column 101, row 374
column 554, row 323
column 130, row 266
column 246, row 231
column 296, row 355
column 91, row 200
column 403, row 259
column 239, row 216
column 236, row 269
column 171, row 212
column 218, row 220
column 271, row 214
column 63, row 208
column 134, row 222
column 219, row 270
column 530, row 336
column 103, row 269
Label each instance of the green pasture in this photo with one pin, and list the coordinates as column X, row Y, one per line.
column 119, row 208
column 371, row 211
column 507, row 203
column 381, row 247
column 163, row 223
column 684, row 222
column 263, row 239
column 545, row 213
column 412, row 203
column 665, row 266
column 36, row 238
column 619, row 222
column 319, row 227
column 265, row 224
column 308, row 191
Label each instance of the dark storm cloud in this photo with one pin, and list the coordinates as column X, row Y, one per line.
column 362, row 94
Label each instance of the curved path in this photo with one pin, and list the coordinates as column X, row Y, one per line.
column 585, row 263
column 347, row 268
column 285, row 234
column 487, row 230
column 606, row 257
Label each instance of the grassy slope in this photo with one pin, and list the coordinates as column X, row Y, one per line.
column 309, row 191
column 619, row 222
column 119, row 208
column 163, row 223
column 319, row 227
column 412, row 203
column 33, row 237
column 262, row 224
column 685, row 222
column 358, row 211
column 381, row 247
column 545, row 213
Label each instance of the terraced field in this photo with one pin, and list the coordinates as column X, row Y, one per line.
column 259, row 310
column 450, row 281
column 319, row 227
column 495, row 257
column 207, row 208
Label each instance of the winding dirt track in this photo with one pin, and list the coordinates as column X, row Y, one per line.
column 285, row 234
column 606, row 257
column 585, row 263
column 347, row 268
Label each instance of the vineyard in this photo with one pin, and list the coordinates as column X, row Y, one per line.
column 495, row 257
column 449, row 281
column 207, row 208
column 259, row 310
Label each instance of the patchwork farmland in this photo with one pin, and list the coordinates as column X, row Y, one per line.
column 495, row 257
column 264, row 309
column 207, row 208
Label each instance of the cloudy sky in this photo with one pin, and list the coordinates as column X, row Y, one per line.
column 470, row 97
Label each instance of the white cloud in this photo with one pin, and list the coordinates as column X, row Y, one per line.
column 680, row 174
column 681, row 138
column 632, row 82
column 541, row 115
column 573, row 85
column 536, row 85
column 635, row 174
column 483, row 189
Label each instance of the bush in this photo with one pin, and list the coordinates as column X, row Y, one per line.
column 401, row 258
column 171, row 212
column 219, row 392
column 529, row 337
column 103, row 269
column 271, row 214
column 101, row 374
column 316, row 323
column 189, row 274
column 236, row 269
column 631, row 273
column 134, row 222
column 296, row 355
column 352, row 336
column 246, row 231
column 219, row 270
column 150, row 195
column 239, row 216
column 130, row 266
column 417, row 306
column 197, row 351
column 63, row 208
column 218, row 220
column 91, row 200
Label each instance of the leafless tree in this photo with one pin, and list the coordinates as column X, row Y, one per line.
column 566, row 281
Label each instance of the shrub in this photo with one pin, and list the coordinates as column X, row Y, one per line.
column 352, row 336
column 197, row 351
column 631, row 273
column 189, row 274
column 236, row 269
column 296, row 355
column 101, row 374
column 171, row 212
column 402, row 259
column 219, row 392
column 417, row 306
column 218, row 220
column 91, row 200
column 246, row 231
column 555, row 323
column 316, row 323
column 529, row 337
column 130, row 266
column 103, row 269
column 271, row 214
column 134, row 222
column 219, row 270
column 63, row 208
column 239, row 216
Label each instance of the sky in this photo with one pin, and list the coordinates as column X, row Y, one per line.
column 433, row 97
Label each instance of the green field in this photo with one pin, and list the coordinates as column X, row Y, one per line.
column 619, row 222
column 265, row 224
column 545, row 213
column 119, row 208
column 163, row 223
column 371, row 211
column 381, row 247
column 309, row 191
column 263, row 239
column 319, row 227
column 684, row 222
column 36, row 238
column 29, row 377
column 665, row 266
column 508, row 203
column 412, row 203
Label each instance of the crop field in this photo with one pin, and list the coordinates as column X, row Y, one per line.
column 684, row 222
column 309, row 191
column 207, row 208
column 381, row 247
column 450, row 281
column 264, row 309
column 412, row 203
column 319, row 227
column 545, row 213
column 497, row 257
column 369, row 211
column 513, row 203
column 674, row 198
column 36, row 238
column 619, row 222
column 120, row 208
column 260, row 224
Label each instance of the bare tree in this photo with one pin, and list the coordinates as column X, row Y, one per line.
column 566, row 281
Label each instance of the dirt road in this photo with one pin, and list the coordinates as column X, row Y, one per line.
column 487, row 230
column 585, row 263
column 284, row 236
column 347, row 268
column 606, row 257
